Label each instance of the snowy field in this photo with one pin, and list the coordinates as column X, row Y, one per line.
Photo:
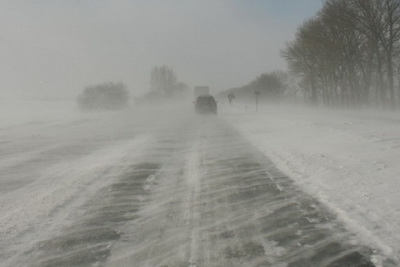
column 348, row 159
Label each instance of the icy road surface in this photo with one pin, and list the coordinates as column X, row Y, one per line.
column 164, row 190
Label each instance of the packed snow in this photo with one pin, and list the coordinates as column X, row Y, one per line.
column 348, row 159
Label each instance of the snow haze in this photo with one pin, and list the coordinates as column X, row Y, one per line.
column 106, row 158
column 55, row 48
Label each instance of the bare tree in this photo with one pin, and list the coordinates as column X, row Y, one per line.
column 299, row 55
column 165, row 85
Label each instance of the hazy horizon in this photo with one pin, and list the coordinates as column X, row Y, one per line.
column 56, row 48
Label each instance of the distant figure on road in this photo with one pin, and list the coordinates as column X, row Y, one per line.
column 231, row 96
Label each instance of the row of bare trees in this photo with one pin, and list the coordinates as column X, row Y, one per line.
column 348, row 54
column 270, row 87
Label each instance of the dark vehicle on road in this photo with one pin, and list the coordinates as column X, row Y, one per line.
column 206, row 104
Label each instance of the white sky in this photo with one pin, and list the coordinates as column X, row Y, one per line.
column 57, row 47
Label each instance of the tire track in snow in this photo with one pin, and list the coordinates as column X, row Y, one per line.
column 191, row 210
column 88, row 239
column 41, row 209
column 221, row 203
column 273, row 222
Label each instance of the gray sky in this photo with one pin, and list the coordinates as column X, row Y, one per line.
column 57, row 47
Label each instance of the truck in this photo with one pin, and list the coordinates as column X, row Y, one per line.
column 201, row 91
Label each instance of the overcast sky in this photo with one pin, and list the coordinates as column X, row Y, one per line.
column 57, row 47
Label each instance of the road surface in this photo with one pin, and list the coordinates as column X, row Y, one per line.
column 164, row 190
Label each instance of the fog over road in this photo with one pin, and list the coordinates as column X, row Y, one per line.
column 165, row 189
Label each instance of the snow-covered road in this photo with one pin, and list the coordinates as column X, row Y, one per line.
column 347, row 159
column 166, row 189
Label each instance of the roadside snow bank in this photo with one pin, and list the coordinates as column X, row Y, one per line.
column 347, row 159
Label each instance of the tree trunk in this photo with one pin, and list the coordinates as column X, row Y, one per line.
column 314, row 98
column 390, row 80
